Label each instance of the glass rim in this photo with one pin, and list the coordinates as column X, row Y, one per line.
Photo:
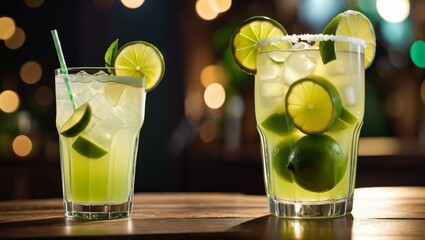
column 129, row 80
column 60, row 70
column 296, row 38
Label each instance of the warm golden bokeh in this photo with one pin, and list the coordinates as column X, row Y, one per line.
column 9, row 101
column 34, row 3
column 214, row 95
column 208, row 131
column 213, row 74
column 22, row 146
column 17, row 40
column 132, row 3
column 7, row 27
column 31, row 72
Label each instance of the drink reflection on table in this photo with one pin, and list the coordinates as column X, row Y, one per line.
column 271, row 227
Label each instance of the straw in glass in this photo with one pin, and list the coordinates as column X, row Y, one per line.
column 63, row 65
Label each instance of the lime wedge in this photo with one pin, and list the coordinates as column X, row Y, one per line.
column 278, row 123
column 248, row 34
column 77, row 122
column 140, row 59
column 313, row 104
column 87, row 148
column 350, row 24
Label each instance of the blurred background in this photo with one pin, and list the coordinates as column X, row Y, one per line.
column 199, row 133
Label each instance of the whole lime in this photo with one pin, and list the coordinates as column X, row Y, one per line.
column 317, row 163
column 280, row 159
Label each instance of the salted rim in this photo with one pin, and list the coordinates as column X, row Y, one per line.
column 295, row 38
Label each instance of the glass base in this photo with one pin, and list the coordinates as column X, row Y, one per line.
column 305, row 210
column 97, row 212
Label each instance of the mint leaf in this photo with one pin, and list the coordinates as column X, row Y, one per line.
column 110, row 54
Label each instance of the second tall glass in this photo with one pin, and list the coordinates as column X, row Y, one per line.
column 309, row 116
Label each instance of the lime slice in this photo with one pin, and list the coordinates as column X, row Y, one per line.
column 248, row 34
column 350, row 24
column 140, row 59
column 313, row 104
column 278, row 123
column 77, row 122
column 88, row 148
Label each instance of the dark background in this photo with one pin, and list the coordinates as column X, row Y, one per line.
column 172, row 154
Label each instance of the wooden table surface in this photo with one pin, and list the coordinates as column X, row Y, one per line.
column 379, row 213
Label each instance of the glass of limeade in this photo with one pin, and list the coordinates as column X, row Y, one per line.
column 98, row 140
column 309, row 158
column 309, row 105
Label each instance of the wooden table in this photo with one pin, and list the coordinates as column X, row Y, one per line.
column 379, row 213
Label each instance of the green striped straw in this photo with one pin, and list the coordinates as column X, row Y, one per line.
column 63, row 66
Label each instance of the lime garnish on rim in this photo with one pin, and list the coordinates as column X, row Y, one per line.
column 245, row 40
column 87, row 148
column 313, row 104
column 77, row 122
column 139, row 59
column 349, row 24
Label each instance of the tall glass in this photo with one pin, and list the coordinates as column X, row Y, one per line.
column 98, row 157
column 289, row 195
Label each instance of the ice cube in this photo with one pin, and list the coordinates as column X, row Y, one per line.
column 296, row 66
column 103, row 130
column 267, row 69
column 273, row 89
column 83, row 76
column 301, row 45
column 100, row 106
column 130, row 107
column 345, row 63
column 349, row 95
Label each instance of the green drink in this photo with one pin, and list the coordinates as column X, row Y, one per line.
column 98, row 163
column 99, row 114
column 309, row 107
column 347, row 75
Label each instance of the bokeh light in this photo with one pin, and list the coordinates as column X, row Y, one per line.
column 210, row 9
column 193, row 106
column 213, row 74
column 132, row 3
column 31, row 72
column 22, row 146
column 317, row 13
column 44, row 95
column 208, row 131
column 17, row 40
column 9, row 101
column 214, row 95
column 393, row 11
column 7, row 27
column 34, row 3
column 417, row 53
column 399, row 35
column 223, row 5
